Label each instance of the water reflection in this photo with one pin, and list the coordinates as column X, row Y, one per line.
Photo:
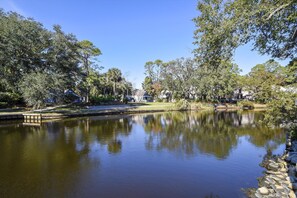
column 49, row 158
column 55, row 158
column 214, row 133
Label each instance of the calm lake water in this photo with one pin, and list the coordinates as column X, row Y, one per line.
column 178, row 154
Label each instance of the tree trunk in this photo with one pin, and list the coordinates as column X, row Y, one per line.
column 114, row 89
column 87, row 95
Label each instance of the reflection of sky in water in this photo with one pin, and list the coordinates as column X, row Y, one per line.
column 156, row 155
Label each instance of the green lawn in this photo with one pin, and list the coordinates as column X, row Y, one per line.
column 154, row 106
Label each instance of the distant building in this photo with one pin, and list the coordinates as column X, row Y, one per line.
column 142, row 96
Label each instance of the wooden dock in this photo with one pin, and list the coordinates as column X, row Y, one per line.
column 32, row 118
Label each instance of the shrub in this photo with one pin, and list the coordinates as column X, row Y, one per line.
column 282, row 110
column 125, row 100
column 9, row 99
column 102, row 99
column 3, row 104
column 182, row 104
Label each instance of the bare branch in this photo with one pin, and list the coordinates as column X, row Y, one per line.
column 294, row 35
column 278, row 9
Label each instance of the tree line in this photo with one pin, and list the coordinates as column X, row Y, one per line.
column 184, row 78
column 271, row 27
column 37, row 64
column 221, row 27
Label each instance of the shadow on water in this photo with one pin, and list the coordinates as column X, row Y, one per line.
column 53, row 159
column 214, row 133
column 47, row 160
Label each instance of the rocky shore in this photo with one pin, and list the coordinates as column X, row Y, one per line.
column 279, row 179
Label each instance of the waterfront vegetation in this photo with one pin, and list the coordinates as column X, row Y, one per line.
column 181, row 152
column 38, row 65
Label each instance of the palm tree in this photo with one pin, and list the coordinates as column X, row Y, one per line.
column 115, row 76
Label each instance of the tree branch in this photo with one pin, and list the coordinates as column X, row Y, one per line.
column 294, row 36
column 278, row 9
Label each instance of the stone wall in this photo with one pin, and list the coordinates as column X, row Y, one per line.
column 280, row 178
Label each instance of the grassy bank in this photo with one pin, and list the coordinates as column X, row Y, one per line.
column 81, row 110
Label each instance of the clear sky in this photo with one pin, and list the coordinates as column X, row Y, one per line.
column 128, row 32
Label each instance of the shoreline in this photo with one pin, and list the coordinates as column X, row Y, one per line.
column 106, row 110
column 280, row 176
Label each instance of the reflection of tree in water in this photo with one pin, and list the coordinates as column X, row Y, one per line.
column 213, row 133
column 47, row 160
column 105, row 131
column 41, row 161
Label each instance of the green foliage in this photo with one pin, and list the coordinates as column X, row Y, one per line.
column 102, row 99
column 282, row 110
column 152, row 83
column 147, row 85
column 211, row 84
column 178, row 76
column 270, row 26
column 265, row 79
column 125, row 100
column 291, row 72
column 224, row 25
column 87, row 54
column 182, row 104
column 214, row 34
column 9, row 99
column 186, row 78
column 27, row 48
column 37, row 88
column 159, row 100
column 245, row 104
column 22, row 47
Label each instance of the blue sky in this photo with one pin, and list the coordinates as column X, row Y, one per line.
column 129, row 33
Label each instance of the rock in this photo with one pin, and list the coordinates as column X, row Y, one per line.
column 281, row 165
column 263, row 191
column 266, row 184
column 286, row 189
column 270, row 172
column 258, row 195
column 281, row 177
column 292, row 194
column 283, row 195
column 287, row 184
column 288, row 179
column 273, row 166
column 270, row 180
column 277, row 179
column 279, row 188
column 284, row 157
column 279, row 160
